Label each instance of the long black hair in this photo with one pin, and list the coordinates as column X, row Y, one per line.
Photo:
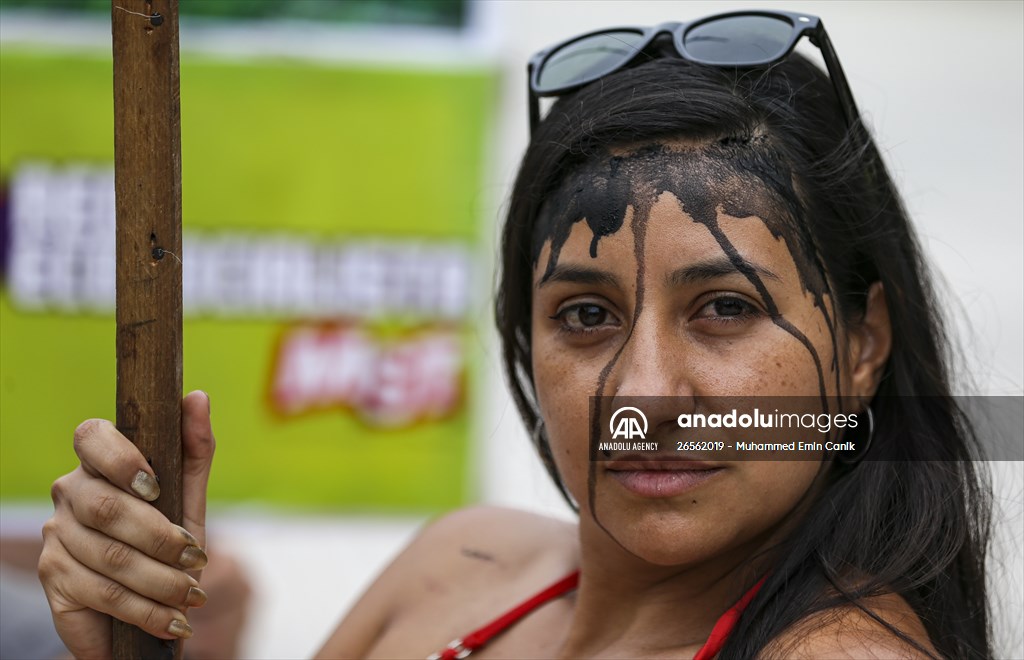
column 912, row 517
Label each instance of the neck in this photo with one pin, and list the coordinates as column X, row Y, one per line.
column 626, row 605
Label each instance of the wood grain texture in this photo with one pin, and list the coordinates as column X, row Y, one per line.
column 147, row 164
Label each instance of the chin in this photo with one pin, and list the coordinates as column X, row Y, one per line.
column 664, row 538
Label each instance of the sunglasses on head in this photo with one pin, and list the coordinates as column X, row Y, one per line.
column 735, row 39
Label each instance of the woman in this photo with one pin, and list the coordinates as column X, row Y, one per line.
column 699, row 215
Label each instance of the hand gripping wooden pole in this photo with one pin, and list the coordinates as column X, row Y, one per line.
column 147, row 176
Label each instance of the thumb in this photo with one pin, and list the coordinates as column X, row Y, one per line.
column 197, row 445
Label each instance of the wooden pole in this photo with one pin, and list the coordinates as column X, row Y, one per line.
column 147, row 176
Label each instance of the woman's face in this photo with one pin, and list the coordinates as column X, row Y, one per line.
column 671, row 271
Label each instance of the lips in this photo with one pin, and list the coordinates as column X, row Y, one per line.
column 659, row 478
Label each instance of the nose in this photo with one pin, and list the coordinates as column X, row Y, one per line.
column 653, row 373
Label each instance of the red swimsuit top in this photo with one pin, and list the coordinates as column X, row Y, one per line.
column 462, row 647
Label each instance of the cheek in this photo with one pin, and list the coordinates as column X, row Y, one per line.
column 771, row 489
column 770, row 362
column 764, row 497
column 564, row 384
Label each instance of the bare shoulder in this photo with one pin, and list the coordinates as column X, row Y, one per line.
column 478, row 550
column 850, row 632
column 487, row 532
column 453, row 567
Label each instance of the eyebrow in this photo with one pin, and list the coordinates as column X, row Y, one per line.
column 714, row 268
column 579, row 275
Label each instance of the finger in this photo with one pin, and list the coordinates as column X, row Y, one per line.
column 198, row 446
column 73, row 590
column 104, row 452
column 99, row 505
column 126, row 565
column 86, row 633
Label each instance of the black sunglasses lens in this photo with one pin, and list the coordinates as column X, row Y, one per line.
column 739, row 40
column 587, row 59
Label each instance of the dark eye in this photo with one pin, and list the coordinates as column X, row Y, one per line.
column 583, row 317
column 730, row 307
column 591, row 315
column 727, row 309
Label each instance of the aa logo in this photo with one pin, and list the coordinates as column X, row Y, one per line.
column 628, row 423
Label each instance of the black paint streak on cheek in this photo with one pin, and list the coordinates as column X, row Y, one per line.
column 835, row 346
column 769, row 303
column 818, row 290
column 700, row 207
column 803, row 247
column 755, row 157
column 598, row 192
column 641, row 214
column 813, row 279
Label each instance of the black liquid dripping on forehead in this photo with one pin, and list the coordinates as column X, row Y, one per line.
column 743, row 176
column 600, row 200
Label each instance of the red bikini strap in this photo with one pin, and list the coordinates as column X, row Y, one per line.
column 725, row 624
column 460, row 648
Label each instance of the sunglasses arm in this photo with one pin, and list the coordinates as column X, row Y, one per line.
column 534, row 102
column 835, row 71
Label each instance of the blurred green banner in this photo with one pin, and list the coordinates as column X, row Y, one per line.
column 331, row 223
